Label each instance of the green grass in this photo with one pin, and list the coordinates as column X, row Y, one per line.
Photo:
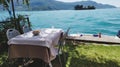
column 3, row 59
column 82, row 56
column 93, row 56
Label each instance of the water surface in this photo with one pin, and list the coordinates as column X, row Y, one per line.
column 106, row 21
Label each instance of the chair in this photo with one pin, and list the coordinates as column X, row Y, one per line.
column 12, row 33
column 61, row 44
column 26, row 29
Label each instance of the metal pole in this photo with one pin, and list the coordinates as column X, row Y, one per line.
column 13, row 10
column 13, row 14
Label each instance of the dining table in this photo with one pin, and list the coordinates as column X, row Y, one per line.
column 42, row 46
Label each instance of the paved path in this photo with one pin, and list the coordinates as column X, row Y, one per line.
column 105, row 39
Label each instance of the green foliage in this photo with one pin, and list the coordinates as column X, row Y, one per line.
column 17, row 23
column 8, row 23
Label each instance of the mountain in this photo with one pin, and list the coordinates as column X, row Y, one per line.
column 57, row 5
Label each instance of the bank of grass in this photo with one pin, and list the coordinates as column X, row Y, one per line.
column 93, row 56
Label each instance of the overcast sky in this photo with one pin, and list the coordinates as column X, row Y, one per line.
column 111, row 2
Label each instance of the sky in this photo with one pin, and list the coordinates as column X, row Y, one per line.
column 111, row 2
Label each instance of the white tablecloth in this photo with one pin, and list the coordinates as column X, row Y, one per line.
column 47, row 37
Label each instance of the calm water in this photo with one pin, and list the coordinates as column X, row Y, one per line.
column 106, row 21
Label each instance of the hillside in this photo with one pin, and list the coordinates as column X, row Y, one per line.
column 57, row 5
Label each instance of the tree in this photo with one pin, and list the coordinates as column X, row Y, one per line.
column 91, row 7
column 81, row 7
column 78, row 7
column 6, row 4
column 10, row 22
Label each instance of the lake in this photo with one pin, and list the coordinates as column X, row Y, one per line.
column 106, row 21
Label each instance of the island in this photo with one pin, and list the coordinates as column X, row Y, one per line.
column 81, row 7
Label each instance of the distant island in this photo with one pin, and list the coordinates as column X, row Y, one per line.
column 81, row 7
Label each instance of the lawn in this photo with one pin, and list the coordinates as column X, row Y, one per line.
column 93, row 56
